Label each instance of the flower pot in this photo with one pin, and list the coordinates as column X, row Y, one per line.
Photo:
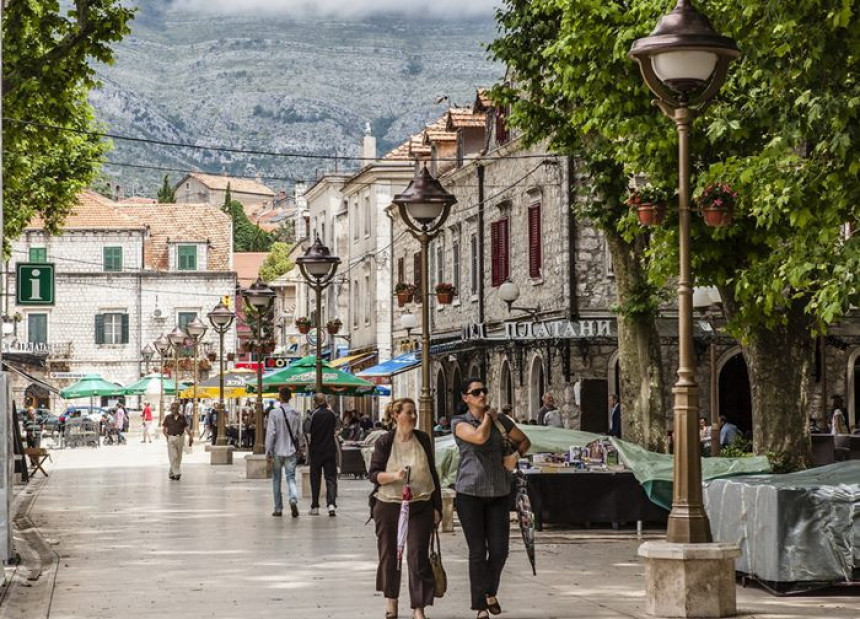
column 445, row 298
column 333, row 329
column 651, row 214
column 212, row 356
column 303, row 328
column 231, row 356
column 403, row 298
column 717, row 216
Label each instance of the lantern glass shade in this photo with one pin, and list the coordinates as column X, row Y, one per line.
column 147, row 353
column 258, row 295
column 162, row 345
column 684, row 66
column 425, row 199
column 409, row 321
column 317, row 262
column 319, row 270
column 177, row 337
column 8, row 328
column 509, row 292
column 424, row 212
column 196, row 328
column 221, row 317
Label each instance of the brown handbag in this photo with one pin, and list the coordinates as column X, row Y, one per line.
column 439, row 576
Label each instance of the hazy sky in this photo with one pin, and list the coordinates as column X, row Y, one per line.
column 344, row 8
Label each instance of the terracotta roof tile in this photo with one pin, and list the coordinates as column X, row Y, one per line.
column 464, row 118
column 482, row 101
column 239, row 185
column 247, row 266
column 94, row 212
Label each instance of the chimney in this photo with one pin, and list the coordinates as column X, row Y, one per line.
column 118, row 194
column 368, row 146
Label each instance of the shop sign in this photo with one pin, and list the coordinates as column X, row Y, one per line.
column 557, row 329
column 35, row 348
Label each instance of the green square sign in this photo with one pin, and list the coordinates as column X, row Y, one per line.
column 34, row 283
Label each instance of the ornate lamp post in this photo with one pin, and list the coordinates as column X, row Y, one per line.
column 195, row 329
column 424, row 208
column 318, row 267
column 260, row 299
column 221, row 319
column 146, row 354
column 163, row 346
column 684, row 62
column 177, row 340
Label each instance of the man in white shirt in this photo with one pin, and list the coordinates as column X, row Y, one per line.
column 119, row 419
column 283, row 435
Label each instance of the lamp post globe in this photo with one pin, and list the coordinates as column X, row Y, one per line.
column 196, row 329
column 425, row 201
column 162, row 345
column 176, row 337
column 221, row 318
column 147, row 353
column 408, row 321
column 258, row 295
column 509, row 292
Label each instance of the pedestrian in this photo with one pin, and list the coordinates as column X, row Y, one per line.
column 614, row 416
column 728, row 432
column 548, row 405
column 175, row 425
column 443, row 427
column 405, row 452
column 146, row 417
column 119, row 420
column 207, row 428
column 483, row 488
column 837, row 416
column 323, row 455
column 283, row 433
column 552, row 418
column 33, row 431
column 705, row 436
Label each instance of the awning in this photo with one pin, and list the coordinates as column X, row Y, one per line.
column 32, row 378
column 346, row 362
column 383, row 372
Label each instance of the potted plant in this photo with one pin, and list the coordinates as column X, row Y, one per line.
column 445, row 293
column 231, row 356
column 333, row 325
column 717, row 203
column 405, row 293
column 212, row 355
column 303, row 324
column 649, row 202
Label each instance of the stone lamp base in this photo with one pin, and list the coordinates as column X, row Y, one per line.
column 256, row 467
column 220, row 454
column 690, row 580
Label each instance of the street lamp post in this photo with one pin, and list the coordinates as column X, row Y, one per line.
column 684, row 62
column 177, row 339
column 195, row 329
column 163, row 346
column 424, row 207
column 318, row 267
column 146, row 354
column 222, row 319
column 259, row 298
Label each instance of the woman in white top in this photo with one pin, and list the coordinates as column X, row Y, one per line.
column 837, row 417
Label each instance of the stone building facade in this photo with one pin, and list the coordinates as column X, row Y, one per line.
column 200, row 188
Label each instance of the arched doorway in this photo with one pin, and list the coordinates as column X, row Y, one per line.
column 441, row 394
column 536, row 386
column 613, row 382
column 506, row 388
column 734, row 395
column 37, row 395
column 456, row 379
column 853, row 387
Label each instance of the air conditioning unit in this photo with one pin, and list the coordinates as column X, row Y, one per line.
column 157, row 314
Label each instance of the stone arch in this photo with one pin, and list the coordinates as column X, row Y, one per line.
column 37, row 395
column 537, row 385
column 732, row 392
column 454, row 391
column 852, row 386
column 613, row 380
column 441, row 400
column 506, row 384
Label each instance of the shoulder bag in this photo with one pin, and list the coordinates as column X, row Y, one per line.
column 440, row 578
column 300, row 456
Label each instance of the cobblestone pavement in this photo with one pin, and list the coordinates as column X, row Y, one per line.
column 131, row 543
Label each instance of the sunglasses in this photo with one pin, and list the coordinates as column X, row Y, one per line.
column 478, row 392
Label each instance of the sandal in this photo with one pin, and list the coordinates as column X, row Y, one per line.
column 494, row 608
column 483, row 614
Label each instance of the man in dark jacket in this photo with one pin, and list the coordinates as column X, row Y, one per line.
column 323, row 455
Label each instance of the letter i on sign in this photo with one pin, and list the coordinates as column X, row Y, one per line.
column 35, row 288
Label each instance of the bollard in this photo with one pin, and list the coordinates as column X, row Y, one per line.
column 448, row 510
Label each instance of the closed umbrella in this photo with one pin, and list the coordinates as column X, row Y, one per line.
column 526, row 517
column 403, row 520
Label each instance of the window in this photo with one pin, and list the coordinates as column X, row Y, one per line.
column 455, row 263
column 416, row 274
column 473, row 249
column 38, row 254
column 37, row 328
column 112, row 258
column 535, row 248
column 183, row 318
column 354, row 308
column 440, row 262
column 401, row 271
column 112, row 328
column 186, row 257
column 367, row 299
column 499, row 247
column 355, row 221
column 367, row 216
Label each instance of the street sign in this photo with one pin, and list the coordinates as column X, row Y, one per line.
column 34, row 283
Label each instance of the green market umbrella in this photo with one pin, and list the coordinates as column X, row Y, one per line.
column 150, row 385
column 89, row 386
column 300, row 376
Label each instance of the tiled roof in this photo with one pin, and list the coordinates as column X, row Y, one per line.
column 239, row 185
column 415, row 146
column 464, row 118
column 94, row 212
column 138, row 200
column 169, row 223
column 482, row 101
column 247, row 266
column 439, row 135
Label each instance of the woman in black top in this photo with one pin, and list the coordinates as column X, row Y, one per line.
column 483, row 487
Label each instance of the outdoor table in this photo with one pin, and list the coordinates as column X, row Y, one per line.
column 351, row 462
column 572, row 496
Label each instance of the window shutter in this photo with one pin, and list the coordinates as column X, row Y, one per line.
column 100, row 329
column 501, row 127
column 124, row 334
column 416, row 266
column 535, row 249
column 499, row 247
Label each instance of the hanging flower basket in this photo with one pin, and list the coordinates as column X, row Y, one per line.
column 649, row 202
column 303, row 324
column 445, row 293
column 405, row 293
column 212, row 356
column 231, row 356
column 333, row 326
column 717, row 204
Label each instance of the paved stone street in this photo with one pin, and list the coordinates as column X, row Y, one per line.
column 131, row 543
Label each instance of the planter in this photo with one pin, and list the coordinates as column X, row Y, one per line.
column 212, row 356
column 231, row 356
column 445, row 298
column 651, row 214
column 303, row 328
column 717, row 216
column 333, row 330
column 404, row 297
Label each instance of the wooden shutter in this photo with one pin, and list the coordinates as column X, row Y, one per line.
column 400, row 271
column 499, row 248
column 124, row 334
column 501, row 127
column 100, row 329
column 416, row 269
column 535, row 249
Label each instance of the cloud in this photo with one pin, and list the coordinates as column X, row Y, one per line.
column 342, row 8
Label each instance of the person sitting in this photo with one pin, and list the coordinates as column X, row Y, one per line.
column 443, row 427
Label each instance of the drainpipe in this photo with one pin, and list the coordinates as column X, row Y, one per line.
column 571, row 236
column 480, row 244
column 140, row 298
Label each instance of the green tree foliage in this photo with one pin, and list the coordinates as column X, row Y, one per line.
column 277, row 262
column 48, row 58
column 246, row 236
column 783, row 133
column 166, row 194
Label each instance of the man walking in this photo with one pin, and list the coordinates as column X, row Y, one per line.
column 323, row 455
column 548, row 405
column 614, row 416
column 119, row 419
column 283, row 434
column 175, row 425
column 146, row 417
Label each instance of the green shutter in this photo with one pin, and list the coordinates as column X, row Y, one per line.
column 100, row 329
column 112, row 258
column 124, row 335
column 187, row 258
column 38, row 254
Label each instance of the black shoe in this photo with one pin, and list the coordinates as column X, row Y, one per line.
column 276, row 513
column 171, row 476
column 177, row 477
column 294, row 510
column 494, row 608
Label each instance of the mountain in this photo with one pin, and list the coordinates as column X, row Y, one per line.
column 272, row 83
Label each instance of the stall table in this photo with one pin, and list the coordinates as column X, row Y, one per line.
column 572, row 496
column 352, row 463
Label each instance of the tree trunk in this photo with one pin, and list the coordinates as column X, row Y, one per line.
column 643, row 419
column 780, row 362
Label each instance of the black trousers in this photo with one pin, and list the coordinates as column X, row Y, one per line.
column 486, row 525
column 422, row 586
column 323, row 464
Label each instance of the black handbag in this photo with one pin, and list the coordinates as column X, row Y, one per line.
column 440, row 578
